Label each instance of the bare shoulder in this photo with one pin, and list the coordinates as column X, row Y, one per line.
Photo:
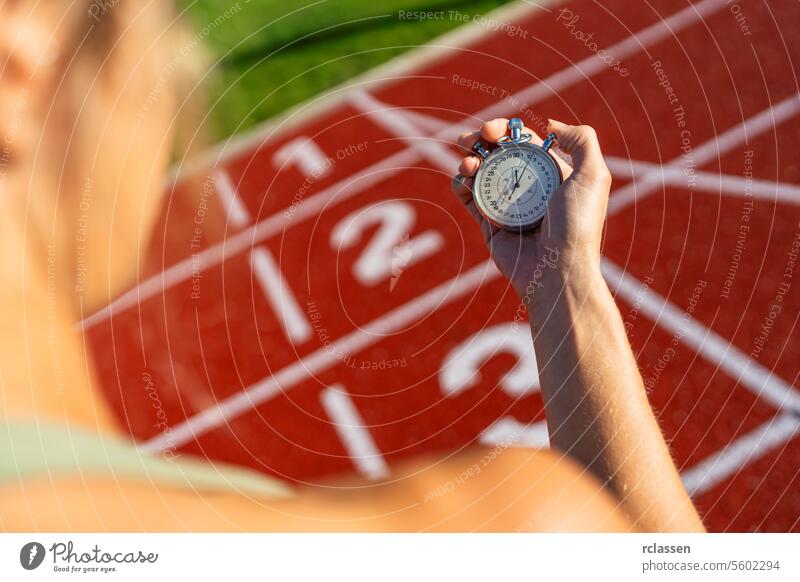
column 479, row 489
column 476, row 490
column 513, row 489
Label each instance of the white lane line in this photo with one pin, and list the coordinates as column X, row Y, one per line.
column 356, row 438
column 393, row 120
column 509, row 432
column 723, row 184
column 397, row 162
column 746, row 371
column 322, row 359
column 428, row 123
column 293, row 320
column 744, row 450
column 304, row 153
column 407, row 64
column 592, row 65
column 710, row 150
column 230, row 199
column 246, row 239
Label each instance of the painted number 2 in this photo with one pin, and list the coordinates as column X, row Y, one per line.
column 390, row 250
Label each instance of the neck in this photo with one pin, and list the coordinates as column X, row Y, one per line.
column 44, row 370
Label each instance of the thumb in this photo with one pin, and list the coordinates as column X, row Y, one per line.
column 580, row 142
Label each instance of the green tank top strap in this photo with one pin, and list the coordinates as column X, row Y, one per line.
column 42, row 449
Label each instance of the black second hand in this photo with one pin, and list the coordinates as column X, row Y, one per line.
column 519, row 176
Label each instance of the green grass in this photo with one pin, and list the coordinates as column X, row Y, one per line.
column 273, row 54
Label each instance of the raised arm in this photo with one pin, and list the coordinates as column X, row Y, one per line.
column 596, row 405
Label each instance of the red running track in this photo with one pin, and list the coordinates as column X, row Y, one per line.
column 309, row 286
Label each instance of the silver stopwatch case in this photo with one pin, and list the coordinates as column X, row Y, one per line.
column 515, row 182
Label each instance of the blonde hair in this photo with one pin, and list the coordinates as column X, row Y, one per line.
column 126, row 105
column 172, row 61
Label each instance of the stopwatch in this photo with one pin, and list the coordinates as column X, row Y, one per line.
column 516, row 181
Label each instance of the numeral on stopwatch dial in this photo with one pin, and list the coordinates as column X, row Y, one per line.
column 514, row 185
column 516, row 180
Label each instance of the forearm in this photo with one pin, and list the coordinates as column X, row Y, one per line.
column 596, row 405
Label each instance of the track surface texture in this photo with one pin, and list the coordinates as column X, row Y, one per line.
column 316, row 302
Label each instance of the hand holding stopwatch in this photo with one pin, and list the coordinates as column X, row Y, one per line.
column 516, row 181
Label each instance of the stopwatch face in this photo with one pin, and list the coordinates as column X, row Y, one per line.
column 514, row 185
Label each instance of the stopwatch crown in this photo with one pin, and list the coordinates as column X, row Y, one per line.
column 515, row 125
column 517, row 137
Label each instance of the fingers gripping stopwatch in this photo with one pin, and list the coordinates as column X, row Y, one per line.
column 516, row 181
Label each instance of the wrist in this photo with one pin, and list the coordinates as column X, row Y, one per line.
column 575, row 279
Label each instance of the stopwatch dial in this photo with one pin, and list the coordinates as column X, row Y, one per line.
column 514, row 185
